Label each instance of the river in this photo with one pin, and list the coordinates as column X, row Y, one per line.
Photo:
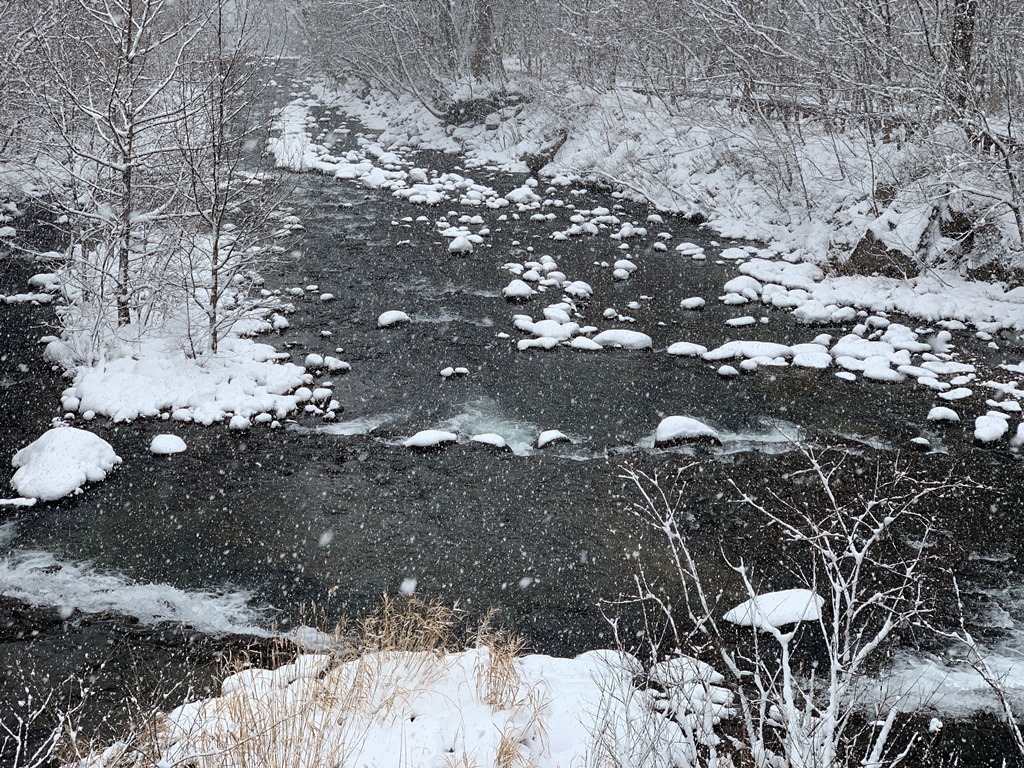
column 339, row 513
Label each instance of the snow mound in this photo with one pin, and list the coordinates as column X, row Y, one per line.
column 623, row 339
column 392, row 318
column 990, row 427
column 777, row 609
column 517, row 290
column 165, row 445
column 430, row 438
column 748, row 349
column 60, row 462
column 686, row 349
column 390, row 708
column 550, row 437
column 939, row 413
column 491, row 440
column 243, row 377
column 679, row 429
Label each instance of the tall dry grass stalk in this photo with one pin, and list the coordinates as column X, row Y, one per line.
column 332, row 709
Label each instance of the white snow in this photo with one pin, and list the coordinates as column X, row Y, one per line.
column 939, row 413
column 550, row 436
column 748, row 349
column 60, row 462
column 692, row 303
column 517, row 290
column 624, row 339
column 392, row 318
column 674, row 429
column 777, row 609
column 430, row 438
column 244, row 378
column 686, row 349
column 990, row 427
column 491, row 439
column 165, row 445
column 466, row 708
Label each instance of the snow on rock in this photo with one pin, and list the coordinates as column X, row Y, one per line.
column 60, row 462
column 460, row 244
column 491, row 440
column 392, row 318
column 777, row 609
column 990, row 427
column 960, row 393
column 739, row 322
column 585, row 344
column 939, row 413
column 550, row 437
column 748, row 349
column 623, row 339
column 430, row 438
column 728, row 372
column 239, row 422
column 692, row 303
column 681, row 429
column 686, row 349
column 811, row 356
column 552, row 329
column 744, row 285
column 165, row 445
column 517, row 290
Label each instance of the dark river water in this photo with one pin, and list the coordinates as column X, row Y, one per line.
column 341, row 513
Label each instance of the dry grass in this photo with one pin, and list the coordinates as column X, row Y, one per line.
column 324, row 710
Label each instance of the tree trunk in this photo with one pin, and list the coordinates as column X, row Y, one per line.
column 961, row 44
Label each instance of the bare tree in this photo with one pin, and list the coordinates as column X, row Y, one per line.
column 113, row 107
column 227, row 231
column 853, row 554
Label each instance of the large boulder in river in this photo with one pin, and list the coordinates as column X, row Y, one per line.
column 674, row 430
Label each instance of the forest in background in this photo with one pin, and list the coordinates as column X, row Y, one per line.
column 910, row 105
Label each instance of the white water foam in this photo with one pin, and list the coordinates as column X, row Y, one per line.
column 483, row 416
column 363, row 425
column 39, row 579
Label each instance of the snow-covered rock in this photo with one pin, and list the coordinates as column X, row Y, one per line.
column 517, row 290
column 165, row 445
column 990, row 427
column 550, row 437
column 673, row 430
column 60, row 462
column 624, row 339
column 939, row 413
column 430, row 438
column 491, row 440
column 777, row 609
column 392, row 318
column 686, row 349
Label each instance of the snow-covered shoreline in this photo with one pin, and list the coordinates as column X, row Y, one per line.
column 684, row 167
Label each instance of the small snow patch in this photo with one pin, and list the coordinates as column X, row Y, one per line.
column 165, row 445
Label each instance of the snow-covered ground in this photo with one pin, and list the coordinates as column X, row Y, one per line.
column 476, row 707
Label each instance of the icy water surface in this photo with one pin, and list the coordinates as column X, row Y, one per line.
column 242, row 530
